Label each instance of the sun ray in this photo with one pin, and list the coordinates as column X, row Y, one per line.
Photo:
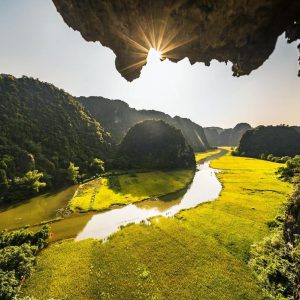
column 178, row 44
column 158, row 34
column 135, row 65
column 146, row 40
column 133, row 42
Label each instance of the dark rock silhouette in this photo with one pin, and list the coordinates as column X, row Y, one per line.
column 243, row 32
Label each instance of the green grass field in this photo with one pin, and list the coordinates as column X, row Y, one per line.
column 103, row 193
column 200, row 254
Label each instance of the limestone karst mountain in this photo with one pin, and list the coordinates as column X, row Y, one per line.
column 276, row 140
column 153, row 144
column 217, row 136
column 117, row 117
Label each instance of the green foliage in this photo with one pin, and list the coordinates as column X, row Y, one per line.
column 8, row 284
column 43, row 128
column 273, row 260
column 97, row 166
column 154, row 145
column 270, row 141
column 291, row 169
column 17, row 258
column 276, row 260
column 30, row 181
column 73, row 173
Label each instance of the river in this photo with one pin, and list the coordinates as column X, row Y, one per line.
column 204, row 187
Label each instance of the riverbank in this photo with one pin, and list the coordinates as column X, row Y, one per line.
column 117, row 190
column 200, row 156
column 200, row 254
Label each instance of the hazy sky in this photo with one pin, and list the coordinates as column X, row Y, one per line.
column 34, row 41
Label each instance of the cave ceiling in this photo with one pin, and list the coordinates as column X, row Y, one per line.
column 243, row 32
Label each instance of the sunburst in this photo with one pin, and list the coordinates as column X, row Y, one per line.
column 158, row 34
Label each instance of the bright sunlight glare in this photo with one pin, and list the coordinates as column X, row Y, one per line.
column 154, row 55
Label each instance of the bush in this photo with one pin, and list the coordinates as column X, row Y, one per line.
column 273, row 260
column 291, row 169
column 276, row 260
column 18, row 250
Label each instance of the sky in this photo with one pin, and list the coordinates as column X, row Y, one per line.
column 35, row 41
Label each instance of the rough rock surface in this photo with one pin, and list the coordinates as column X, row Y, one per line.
column 226, row 137
column 241, row 31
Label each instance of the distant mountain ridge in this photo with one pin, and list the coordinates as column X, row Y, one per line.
column 217, row 136
column 117, row 117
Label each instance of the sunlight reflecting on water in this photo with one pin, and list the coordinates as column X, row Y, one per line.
column 205, row 187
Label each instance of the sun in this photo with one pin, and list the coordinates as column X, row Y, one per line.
column 154, row 55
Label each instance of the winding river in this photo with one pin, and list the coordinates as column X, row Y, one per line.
column 204, row 187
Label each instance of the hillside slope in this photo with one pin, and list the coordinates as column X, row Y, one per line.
column 155, row 145
column 226, row 137
column 117, row 117
column 43, row 128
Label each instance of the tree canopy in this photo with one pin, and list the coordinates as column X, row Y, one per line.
column 155, row 145
column 276, row 140
column 43, row 130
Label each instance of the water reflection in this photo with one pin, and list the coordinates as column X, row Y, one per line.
column 35, row 210
column 205, row 187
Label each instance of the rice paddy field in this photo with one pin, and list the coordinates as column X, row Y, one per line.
column 202, row 155
column 201, row 253
column 103, row 193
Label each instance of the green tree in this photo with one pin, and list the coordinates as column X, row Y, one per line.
column 18, row 250
column 73, row 173
column 30, row 181
column 291, row 169
column 3, row 180
column 97, row 166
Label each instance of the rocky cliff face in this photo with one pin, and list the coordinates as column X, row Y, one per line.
column 117, row 117
column 241, row 31
column 226, row 137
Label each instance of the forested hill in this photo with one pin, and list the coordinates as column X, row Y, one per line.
column 276, row 140
column 155, row 145
column 117, row 117
column 226, row 137
column 43, row 128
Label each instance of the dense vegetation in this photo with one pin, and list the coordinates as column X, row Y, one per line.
column 291, row 170
column 46, row 134
column 201, row 253
column 155, row 145
column 117, row 117
column 103, row 193
column 217, row 136
column 276, row 260
column 265, row 140
column 18, row 250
